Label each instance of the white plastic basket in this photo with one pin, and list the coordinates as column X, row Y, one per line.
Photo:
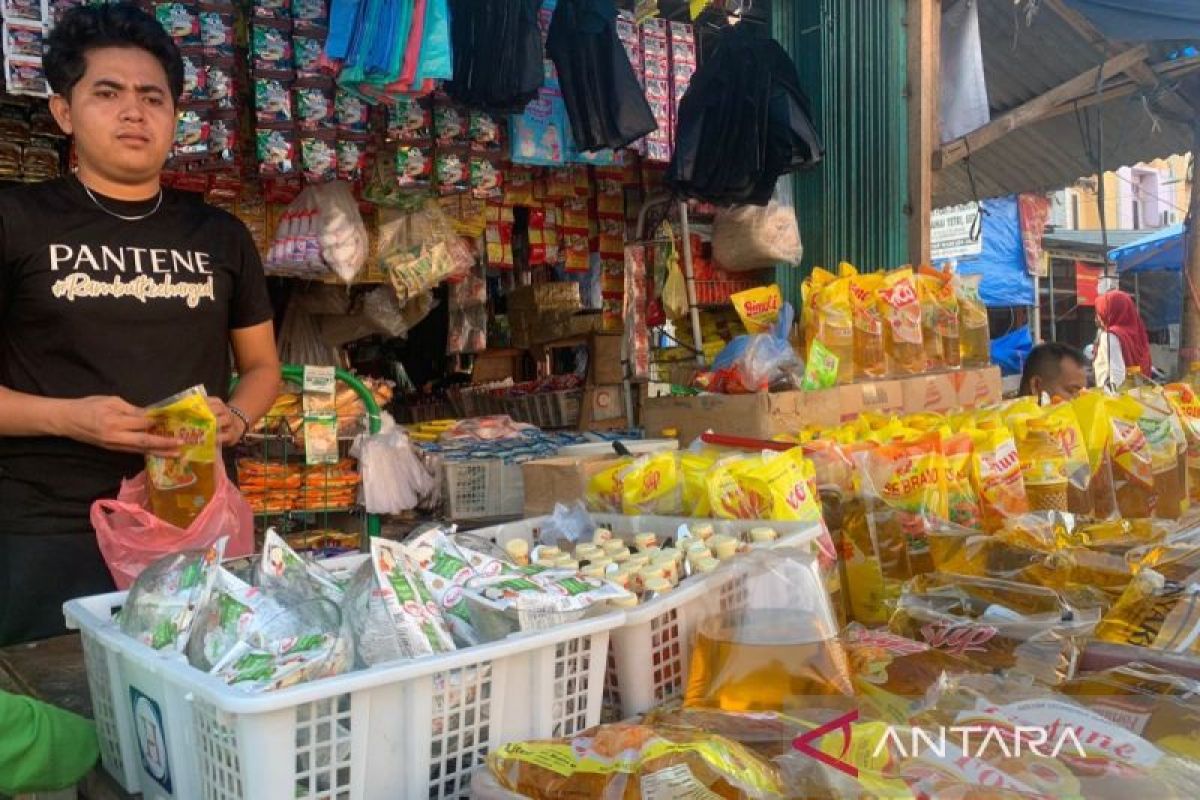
column 651, row 652
column 484, row 489
column 409, row 730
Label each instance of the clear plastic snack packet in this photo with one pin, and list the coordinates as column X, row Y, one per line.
column 416, row 616
column 446, row 568
column 285, row 573
column 234, row 613
column 996, row 624
column 163, row 601
column 505, row 604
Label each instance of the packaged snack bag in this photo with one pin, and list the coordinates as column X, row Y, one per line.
column 604, row 493
column 1184, row 400
column 693, row 466
column 634, row 761
column 996, row 474
column 901, row 311
column 999, row 625
column 835, row 325
column 1168, row 450
column 758, row 308
column 417, row 617
column 769, row 486
column 1131, row 460
column 963, row 502
column 973, row 322
column 181, row 486
column 1156, row 612
column 870, row 359
column 1091, row 411
column 652, row 484
column 810, row 293
column 163, row 601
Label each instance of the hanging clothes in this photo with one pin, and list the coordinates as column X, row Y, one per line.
column 497, row 54
column 743, row 122
column 605, row 103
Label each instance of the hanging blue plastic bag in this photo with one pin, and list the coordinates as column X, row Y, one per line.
column 343, row 17
column 437, row 61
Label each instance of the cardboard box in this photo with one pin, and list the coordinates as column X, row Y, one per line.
column 558, row 295
column 761, row 416
column 603, row 407
column 558, row 480
column 606, row 364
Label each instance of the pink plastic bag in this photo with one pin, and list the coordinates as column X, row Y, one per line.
column 131, row 538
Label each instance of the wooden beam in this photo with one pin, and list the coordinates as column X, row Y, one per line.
column 1141, row 72
column 1189, row 334
column 924, row 25
column 1037, row 108
column 1172, row 69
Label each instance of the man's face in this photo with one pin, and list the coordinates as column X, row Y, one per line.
column 1070, row 381
column 121, row 113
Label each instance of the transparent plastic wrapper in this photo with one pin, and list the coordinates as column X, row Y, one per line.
column 570, row 523
column 940, row 316
column 420, row 627
column 288, row 575
column 768, row 486
column 165, row 598
column 963, row 506
column 998, row 624
column 769, row 734
column 535, row 599
column 1174, row 557
column 779, row 651
column 902, row 485
column 394, row 478
column 693, row 466
column 927, row 290
column 634, row 762
column 341, row 232
column 652, row 484
column 446, row 568
column 305, row 642
column 296, row 248
column 747, row 238
column 1157, row 613
column 422, row 250
column 901, row 310
column 374, row 635
column 754, row 363
column 1168, row 450
column 235, row 612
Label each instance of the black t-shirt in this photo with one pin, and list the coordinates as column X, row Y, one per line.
column 91, row 304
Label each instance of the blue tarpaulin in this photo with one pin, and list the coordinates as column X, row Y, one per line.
column 1142, row 20
column 1010, row 350
column 1002, row 260
column 1160, row 250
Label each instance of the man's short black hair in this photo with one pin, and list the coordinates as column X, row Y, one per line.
column 1045, row 361
column 85, row 28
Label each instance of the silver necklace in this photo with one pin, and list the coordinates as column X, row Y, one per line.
column 135, row 218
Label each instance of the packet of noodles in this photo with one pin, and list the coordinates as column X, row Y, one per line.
column 997, row 624
column 870, row 359
column 901, row 312
column 996, row 474
column 283, row 572
column 1131, row 459
column 758, row 308
column 1168, row 450
column 1091, row 411
column 165, row 598
column 505, row 604
column 768, row 486
column 1186, row 402
column 446, row 567
column 652, row 484
column 604, row 487
column 417, row 617
column 693, row 466
column 1156, row 612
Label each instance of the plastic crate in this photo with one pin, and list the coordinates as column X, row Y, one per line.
column 484, row 489
column 651, row 651
column 410, row 730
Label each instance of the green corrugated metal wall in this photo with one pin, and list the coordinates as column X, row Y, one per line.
column 852, row 60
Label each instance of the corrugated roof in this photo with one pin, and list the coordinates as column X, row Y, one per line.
column 1090, row 240
column 1023, row 61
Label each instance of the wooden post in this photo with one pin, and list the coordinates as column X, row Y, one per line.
column 1189, row 334
column 924, row 53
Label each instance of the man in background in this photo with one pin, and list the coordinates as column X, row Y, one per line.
column 1055, row 369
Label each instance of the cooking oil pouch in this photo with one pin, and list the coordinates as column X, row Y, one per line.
column 1157, row 705
column 604, row 493
column 1156, row 612
column 973, row 330
column 766, row 733
column 1131, row 459
column 1168, row 450
column 162, row 603
column 928, row 287
column 870, row 359
column 652, row 484
column 420, row 626
column 901, row 311
column 1186, row 402
column 810, row 294
column 997, row 624
column 634, row 762
column 767, row 486
column 835, row 326
column 996, row 475
column 286, row 574
column 446, row 567
column 505, row 604
column 945, row 323
column 1046, row 465
column 1174, row 557
column 180, row 486
column 1091, row 411
column 963, row 502
column 758, row 308
column 693, row 466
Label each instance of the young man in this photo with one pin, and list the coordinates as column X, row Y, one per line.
column 114, row 294
column 1056, row 369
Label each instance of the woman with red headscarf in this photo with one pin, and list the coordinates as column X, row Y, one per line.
column 1122, row 340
